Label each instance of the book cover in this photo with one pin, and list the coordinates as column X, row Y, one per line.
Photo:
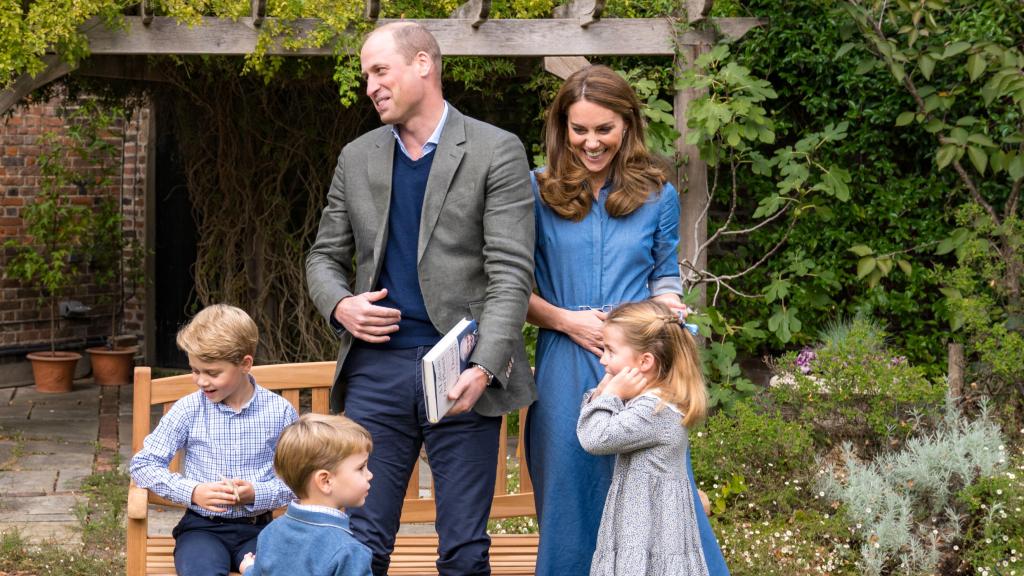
column 442, row 365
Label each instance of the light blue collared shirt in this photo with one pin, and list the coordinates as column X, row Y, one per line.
column 218, row 441
column 431, row 142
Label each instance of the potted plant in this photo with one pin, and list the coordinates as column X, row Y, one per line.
column 55, row 228
column 116, row 265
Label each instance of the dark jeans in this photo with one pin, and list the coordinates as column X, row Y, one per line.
column 213, row 547
column 385, row 394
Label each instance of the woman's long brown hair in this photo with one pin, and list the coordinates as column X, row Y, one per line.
column 564, row 185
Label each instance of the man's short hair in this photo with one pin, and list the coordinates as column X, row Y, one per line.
column 411, row 38
column 317, row 442
column 220, row 332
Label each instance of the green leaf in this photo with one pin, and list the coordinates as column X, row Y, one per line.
column 955, row 48
column 978, row 158
column 1016, row 167
column 975, row 65
column 844, row 49
column 926, row 64
column 865, row 266
column 777, row 290
column 905, row 118
column 945, row 155
column 905, row 266
column 982, row 139
column 861, row 250
column 884, row 265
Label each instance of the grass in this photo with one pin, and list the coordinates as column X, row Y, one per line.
column 101, row 553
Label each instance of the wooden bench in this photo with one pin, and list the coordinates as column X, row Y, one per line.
column 154, row 555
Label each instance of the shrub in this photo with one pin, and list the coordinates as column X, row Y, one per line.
column 993, row 535
column 903, row 505
column 852, row 388
column 757, row 455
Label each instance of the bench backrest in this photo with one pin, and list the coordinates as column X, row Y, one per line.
column 290, row 380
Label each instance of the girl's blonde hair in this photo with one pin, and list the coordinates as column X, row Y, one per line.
column 317, row 442
column 650, row 327
column 564, row 184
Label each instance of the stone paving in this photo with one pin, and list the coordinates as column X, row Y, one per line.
column 47, row 447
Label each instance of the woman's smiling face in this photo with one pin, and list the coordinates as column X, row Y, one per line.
column 595, row 135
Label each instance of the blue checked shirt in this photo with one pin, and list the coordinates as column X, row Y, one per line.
column 217, row 441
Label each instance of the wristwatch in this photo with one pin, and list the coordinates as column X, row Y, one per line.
column 488, row 373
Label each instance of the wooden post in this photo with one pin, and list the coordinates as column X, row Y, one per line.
column 692, row 177
column 957, row 365
column 565, row 66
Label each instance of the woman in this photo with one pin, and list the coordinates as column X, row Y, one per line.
column 607, row 232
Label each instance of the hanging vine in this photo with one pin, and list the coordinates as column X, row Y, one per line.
column 255, row 159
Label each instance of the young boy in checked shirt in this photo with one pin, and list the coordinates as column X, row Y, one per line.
column 229, row 429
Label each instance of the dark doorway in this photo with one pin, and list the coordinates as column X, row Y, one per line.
column 175, row 250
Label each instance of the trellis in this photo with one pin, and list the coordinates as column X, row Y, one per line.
column 577, row 30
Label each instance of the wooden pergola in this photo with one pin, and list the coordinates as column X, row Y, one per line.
column 576, row 31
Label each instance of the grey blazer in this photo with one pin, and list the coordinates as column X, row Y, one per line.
column 476, row 240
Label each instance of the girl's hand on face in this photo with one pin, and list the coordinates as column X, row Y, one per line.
column 627, row 384
column 584, row 328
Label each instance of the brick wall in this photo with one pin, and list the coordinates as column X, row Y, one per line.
column 24, row 320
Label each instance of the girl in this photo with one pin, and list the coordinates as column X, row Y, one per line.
column 652, row 390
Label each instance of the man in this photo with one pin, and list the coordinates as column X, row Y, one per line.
column 435, row 212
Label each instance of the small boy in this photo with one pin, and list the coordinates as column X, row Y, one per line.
column 229, row 428
column 323, row 459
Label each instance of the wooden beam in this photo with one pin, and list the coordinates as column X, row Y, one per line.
column 25, row 84
column 145, row 14
column 457, row 37
column 372, row 11
column 259, row 12
column 564, row 66
column 593, row 14
column 697, row 10
column 476, row 10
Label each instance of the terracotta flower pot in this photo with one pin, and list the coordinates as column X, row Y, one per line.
column 112, row 367
column 54, row 372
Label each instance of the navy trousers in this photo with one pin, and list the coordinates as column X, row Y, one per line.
column 385, row 394
column 213, row 547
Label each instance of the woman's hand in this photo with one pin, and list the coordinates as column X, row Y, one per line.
column 584, row 328
column 673, row 302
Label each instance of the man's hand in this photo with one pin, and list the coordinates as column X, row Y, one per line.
column 627, row 384
column 584, row 328
column 214, row 496
column 366, row 321
column 467, row 390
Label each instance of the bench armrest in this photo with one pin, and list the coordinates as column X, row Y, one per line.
column 138, row 502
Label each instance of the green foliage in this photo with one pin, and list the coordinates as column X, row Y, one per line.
column 754, row 454
column 804, row 543
column 894, row 196
column 851, row 387
column 727, row 386
column 902, row 506
column 961, row 66
column 30, row 30
column 993, row 535
column 58, row 227
column 733, row 131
